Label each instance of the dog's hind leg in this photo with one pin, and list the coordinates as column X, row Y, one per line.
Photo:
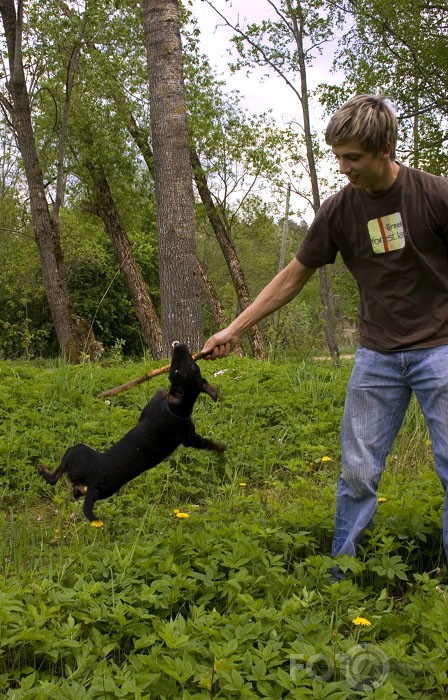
column 51, row 477
column 89, row 501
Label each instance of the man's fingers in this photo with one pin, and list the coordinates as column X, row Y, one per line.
column 215, row 351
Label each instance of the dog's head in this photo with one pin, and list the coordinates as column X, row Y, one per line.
column 186, row 381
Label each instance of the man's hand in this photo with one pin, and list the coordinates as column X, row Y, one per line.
column 220, row 344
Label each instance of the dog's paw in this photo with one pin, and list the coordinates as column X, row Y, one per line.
column 97, row 523
column 219, row 447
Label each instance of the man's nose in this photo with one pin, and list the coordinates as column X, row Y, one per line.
column 344, row 167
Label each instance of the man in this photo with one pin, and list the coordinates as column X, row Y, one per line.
column 390, row 225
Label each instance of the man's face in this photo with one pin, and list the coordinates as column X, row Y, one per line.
column 365, row 170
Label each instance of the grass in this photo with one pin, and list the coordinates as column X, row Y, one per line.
column 233, row 601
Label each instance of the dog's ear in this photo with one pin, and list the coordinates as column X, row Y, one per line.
column 208, row 389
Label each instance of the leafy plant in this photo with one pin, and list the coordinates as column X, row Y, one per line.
column 232, row 601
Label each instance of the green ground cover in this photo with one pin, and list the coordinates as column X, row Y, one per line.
column 232, row 601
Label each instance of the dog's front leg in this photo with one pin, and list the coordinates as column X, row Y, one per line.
column 89, row 501
column 202, row 443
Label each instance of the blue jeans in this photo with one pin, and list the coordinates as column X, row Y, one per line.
column 378, row 395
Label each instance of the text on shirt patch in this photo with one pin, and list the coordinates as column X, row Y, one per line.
column 387, row 233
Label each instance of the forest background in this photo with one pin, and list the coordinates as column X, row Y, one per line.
column 81, row 70
column 209, row 578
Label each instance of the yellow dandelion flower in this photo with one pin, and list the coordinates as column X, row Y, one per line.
column 97, row 523
column 361, row 621
column 175, row 511
column 243, row 484
column 182, row 515
column 326, row 459
column 382, row 500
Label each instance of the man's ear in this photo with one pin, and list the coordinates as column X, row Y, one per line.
column 208, row 389
column 386, row 151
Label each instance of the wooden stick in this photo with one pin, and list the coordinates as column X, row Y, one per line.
column 144, row 378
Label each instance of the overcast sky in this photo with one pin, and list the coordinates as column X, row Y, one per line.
column 258, row 93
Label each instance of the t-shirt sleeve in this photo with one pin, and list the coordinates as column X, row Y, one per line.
column 318, row 248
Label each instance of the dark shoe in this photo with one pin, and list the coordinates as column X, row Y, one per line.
column 335, row 575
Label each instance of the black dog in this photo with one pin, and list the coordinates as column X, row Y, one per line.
column 165, row 423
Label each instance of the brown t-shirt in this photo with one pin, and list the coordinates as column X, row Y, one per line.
column 395, row 244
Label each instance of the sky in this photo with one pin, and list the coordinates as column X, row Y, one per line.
column 258, row 92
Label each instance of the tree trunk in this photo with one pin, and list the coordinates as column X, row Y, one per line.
column 74, row 340
column 62, row 147
column 179, row 279
column 208, row 290
column 211, row 297
column 214, row 303
column 296, row 14
column 281, row 257
column 228, row 250
column 106, row 208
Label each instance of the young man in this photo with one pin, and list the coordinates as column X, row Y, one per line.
column 390, row 225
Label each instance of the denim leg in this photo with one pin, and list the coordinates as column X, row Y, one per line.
column 377, row 398
column 429, row 380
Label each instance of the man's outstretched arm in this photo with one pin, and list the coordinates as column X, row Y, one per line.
column 278, row 292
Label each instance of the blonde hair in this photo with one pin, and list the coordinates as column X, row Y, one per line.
column 370, row 119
